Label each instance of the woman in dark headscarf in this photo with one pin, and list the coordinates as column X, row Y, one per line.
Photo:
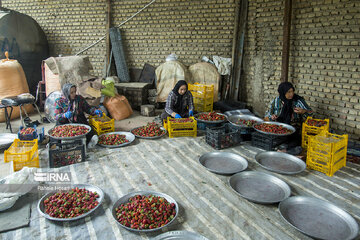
column 291, row 109
column 70, row 108
column 288, row 107
column 179, row 103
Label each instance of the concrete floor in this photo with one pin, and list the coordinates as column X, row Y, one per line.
column 135, row 120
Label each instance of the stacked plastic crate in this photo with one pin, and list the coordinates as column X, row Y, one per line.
column 203, row 96
column 312, row 127
column 327, row 152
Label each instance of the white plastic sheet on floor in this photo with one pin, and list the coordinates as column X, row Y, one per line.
column 207, row 204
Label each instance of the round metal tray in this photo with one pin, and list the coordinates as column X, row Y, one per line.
column 220, row 121
column 280, row 162
column 291, row 128
column 129, row 136
column 41, row 205
column 318, row 218
column 234, row 118
column 180, row 235
column 70, row 138
column 125, row 199
column 156, row 137
column 6, row 139
column 259, row 187
column 223, row 162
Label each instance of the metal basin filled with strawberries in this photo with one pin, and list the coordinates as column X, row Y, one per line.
column 115, row 139
column 244, row 120
column 210, row 117
column 149, row 131
column 69, row 131
column 145, row 211
column 76, row 203
column 274, row 128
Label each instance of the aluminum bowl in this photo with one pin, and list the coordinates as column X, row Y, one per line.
column 92, row 188
column 219, row 121
column 156, row 137
column 287, row 126
column 318, row 218
column 129, row 136
column 70, row 138
column 234, row 118
column 125, row 199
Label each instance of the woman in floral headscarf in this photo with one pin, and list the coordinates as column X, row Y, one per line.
column 70, row 108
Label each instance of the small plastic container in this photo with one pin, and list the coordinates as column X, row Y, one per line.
column 28, row 137
column 222, row 137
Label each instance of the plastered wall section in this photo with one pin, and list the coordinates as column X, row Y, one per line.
column 324, row 58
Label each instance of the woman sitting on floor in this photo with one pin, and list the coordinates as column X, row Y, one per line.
column 179, row 103
column 291, row 109
column 70, row 108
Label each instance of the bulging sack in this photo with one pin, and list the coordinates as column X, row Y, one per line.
column 12, row 83
column 118, row 107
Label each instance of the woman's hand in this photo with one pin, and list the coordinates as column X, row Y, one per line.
column 299, row 110
column 274, row 117
column 173, row 114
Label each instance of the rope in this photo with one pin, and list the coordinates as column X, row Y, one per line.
column 103, row 37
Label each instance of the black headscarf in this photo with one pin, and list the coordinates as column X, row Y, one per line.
column 179, row 102
column 287, row 110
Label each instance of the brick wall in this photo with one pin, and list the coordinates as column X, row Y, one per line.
column 191, row 29
column 324, row 59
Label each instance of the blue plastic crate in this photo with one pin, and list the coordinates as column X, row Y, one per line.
column 37, row 134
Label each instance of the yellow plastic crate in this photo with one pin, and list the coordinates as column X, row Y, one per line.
column 203, row 105
column 21, row 151
column 19, row 164
column 175, row 129
column 308, row 130
column 201, row 90
column 327, row 152
column 102, row 124
column 203, row 96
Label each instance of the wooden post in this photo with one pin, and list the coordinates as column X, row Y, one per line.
column 108, row 24
column 239, row 51
column 286, row 41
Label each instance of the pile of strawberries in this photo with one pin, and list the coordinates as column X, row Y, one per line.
column 316, row 123
column 68, row 131
column 145, row 212
column 247, row 123
column 26, row 131
column 272, row 128
column 70, row 204
column 150, row 130
column 181, row 120
column 112, row 139
column 65, row 159
column 211, row 116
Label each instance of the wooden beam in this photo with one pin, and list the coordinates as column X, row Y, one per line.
column 235, row 87
column 108, row 25
column 286, row 41
column 229, row 81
